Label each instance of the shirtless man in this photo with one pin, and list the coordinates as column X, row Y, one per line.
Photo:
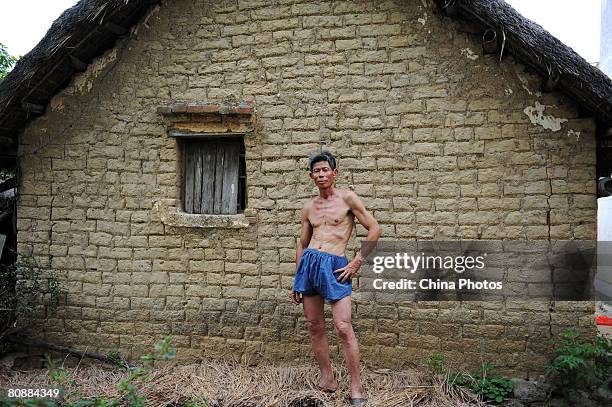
column 324, row 273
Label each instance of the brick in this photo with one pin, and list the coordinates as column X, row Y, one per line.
column 368, row 56
column 321, row 21
column 404, row 107
column 379, row 30
column 311, row 8
column 342, row 45
column 278, row 25
column 445, row 105
column 240, row 292
column 474, row 147
column 273, row 13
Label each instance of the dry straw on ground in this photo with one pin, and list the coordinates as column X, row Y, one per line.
column 229, row 384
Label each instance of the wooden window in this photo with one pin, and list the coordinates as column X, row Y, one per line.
column 214, row 175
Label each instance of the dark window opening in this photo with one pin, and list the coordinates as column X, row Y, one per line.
column 214, row 175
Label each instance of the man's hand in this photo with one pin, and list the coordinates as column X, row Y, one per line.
column 295, row 297
column 350, row 270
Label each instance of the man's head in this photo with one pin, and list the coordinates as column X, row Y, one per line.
column 323, row 169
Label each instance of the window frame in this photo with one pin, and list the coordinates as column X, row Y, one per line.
column 184, row 139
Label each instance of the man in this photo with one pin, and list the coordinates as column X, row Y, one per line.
column 324, row 274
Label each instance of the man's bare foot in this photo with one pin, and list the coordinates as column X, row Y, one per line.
column 328, row 383
column 357, row 392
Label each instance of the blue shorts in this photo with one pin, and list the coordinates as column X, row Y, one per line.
column 316, row 275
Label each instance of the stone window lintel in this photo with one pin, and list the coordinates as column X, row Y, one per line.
column 220, row 107
column 209, row 118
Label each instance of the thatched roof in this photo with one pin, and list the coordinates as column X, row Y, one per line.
column 91, row 27
column 81, row 33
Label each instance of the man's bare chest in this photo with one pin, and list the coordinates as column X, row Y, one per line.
column 335, row 212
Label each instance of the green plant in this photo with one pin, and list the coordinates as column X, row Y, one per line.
column 163, row 351
column 28, row 403
column 195, row 402
column 59, row 376
column 579, row 364
column 55, row 372
column 26, row 287
column 97, row 402
column 490, row 387
column 113, row 356
column 6, row 62
column 127, row 388
column 436, row 363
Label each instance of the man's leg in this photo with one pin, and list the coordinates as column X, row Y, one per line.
column 315, row 320
column 341, row 311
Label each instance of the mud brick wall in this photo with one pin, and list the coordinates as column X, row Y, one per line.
column 440, row 141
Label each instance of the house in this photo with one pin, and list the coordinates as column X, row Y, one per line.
column 162, row 151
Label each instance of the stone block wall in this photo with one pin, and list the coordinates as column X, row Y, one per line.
column 440, row 141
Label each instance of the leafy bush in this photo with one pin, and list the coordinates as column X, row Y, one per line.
column 491, row 387
column 25, row 286
column 579, row 364
column 6, row 62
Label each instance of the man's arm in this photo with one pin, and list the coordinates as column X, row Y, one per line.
column 305, row 236
column 367, row 220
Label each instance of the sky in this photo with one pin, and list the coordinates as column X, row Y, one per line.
column 23, row 23
column 575, row 22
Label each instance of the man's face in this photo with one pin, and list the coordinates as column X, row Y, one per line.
column 323, row 175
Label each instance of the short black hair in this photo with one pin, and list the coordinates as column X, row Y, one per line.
column 322, row 156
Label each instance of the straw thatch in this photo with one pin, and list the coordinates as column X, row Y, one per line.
column 92, row 26
column 230, row 384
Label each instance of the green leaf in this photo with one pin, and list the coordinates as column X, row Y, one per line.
column 6, row 62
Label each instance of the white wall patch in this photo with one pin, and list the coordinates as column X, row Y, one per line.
column 469, row 54
column 537, row 116
column 423, row 20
